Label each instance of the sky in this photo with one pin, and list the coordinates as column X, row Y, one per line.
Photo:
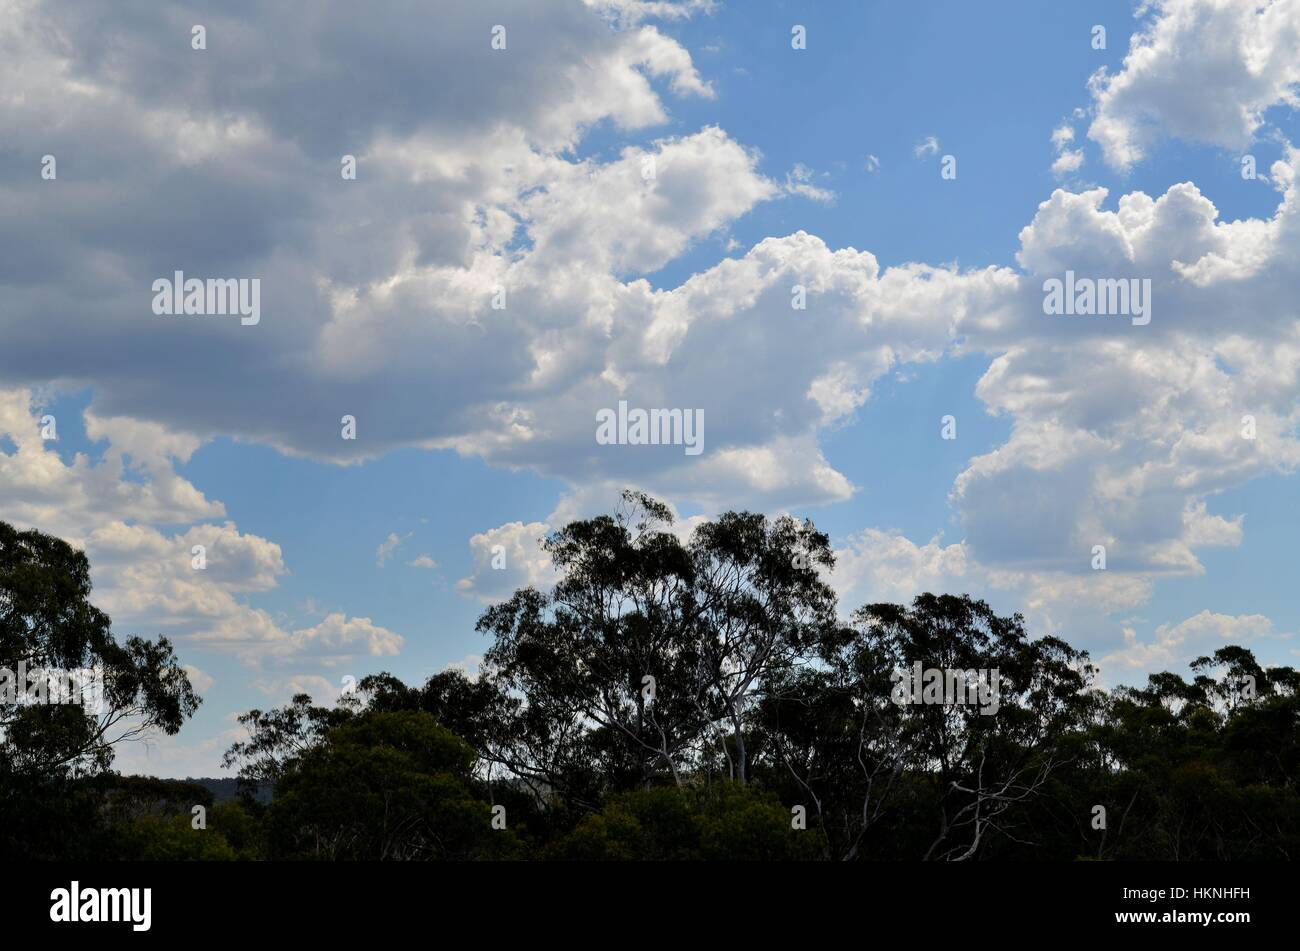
column 561, row 205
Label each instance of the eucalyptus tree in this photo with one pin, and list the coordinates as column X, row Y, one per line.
column 602, row 668
column 69, row 690
column 647, row 656
column 874, row 753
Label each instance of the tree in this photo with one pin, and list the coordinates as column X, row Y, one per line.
column 721, row 822
column 854, row 750
column 675, row 698
column 69, row 694
column 579, row 659
column 384, row 786
column 760, row 607
column 646, row 657
column 833, row 742
column 1202, row 770
column 48, row 625
column 278, row 736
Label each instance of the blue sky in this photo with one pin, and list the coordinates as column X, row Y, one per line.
column 518, row 168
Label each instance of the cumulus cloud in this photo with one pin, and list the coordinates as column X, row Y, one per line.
column 134, row 480
column 458, row 146
column 470, row 665
column 1176, row 645
column 507, row 558
column 876, row 565
column 511, row 556
column 322, row 690
column 1067, row 160
column 200, row 680
column 340, row 636
column 1122, row 434
column 1201, row 71
column 475, row 237
column 188, row 579
column 635, row 214
column 472, row 237
column 1070, row 160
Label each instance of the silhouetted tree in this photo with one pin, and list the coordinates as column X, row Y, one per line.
column 47, row 624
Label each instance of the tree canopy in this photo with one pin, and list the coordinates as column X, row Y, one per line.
column 69, row 690
column 673, row 696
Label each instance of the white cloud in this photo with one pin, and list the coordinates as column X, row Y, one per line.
column 470, row 665
column 200, row 680
column 175, row 757
column 322, row 690
column 1067, row 160
column 886, row 566
column 460, row 204
column 641, row 211
column 340, row 636
column 798, row 181
column 877, row 565
column 1201, row 71
column 628, row 12
column 457, row 149
column 1121, row 434
column 388, row 547
column 520, row 559
column 526, row 561
column 928, row 146
column 1176, row 645
column 379, row 297
column 38, row 489
column 146, row 578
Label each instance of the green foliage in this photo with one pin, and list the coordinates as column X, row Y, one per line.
column 156, row 838
column 725, row 821
column 384, row 786
column 51, row 752
column 648, row 650
column 668, row 699
column 47, row 622
column 759, row 691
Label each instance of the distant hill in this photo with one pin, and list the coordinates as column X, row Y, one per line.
column 228, row 788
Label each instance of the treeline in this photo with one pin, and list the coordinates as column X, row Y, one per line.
column 702, row 699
